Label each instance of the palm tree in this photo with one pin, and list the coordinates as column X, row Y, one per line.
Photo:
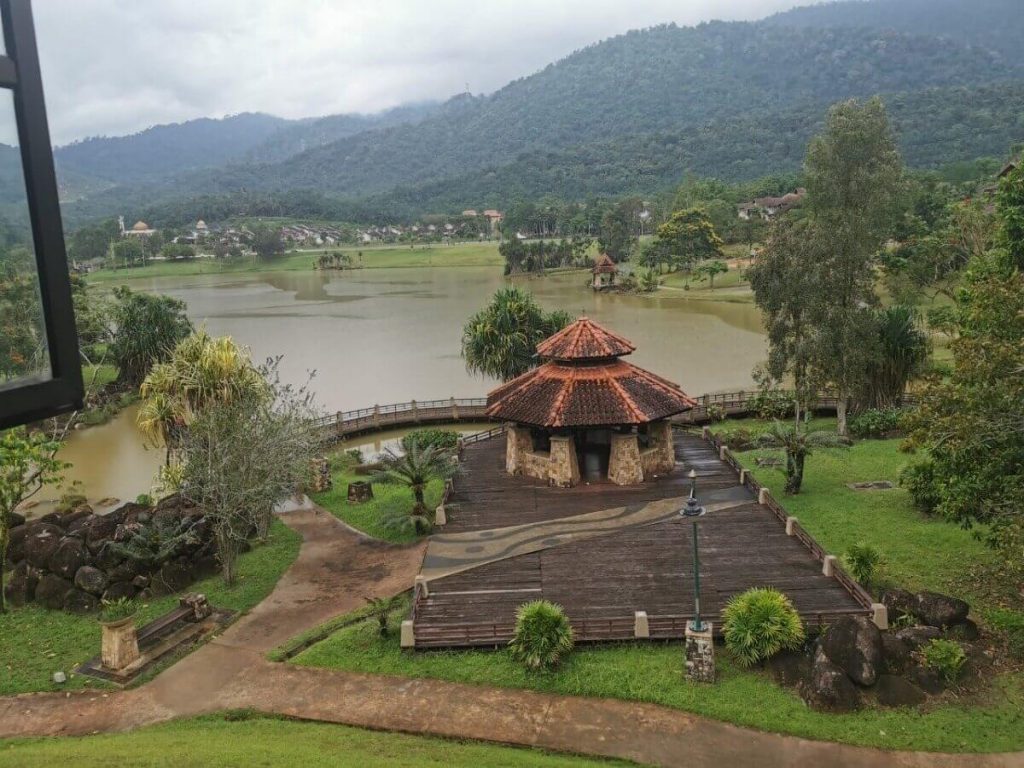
column 501, row 338
column 415, row 468
column 202, row 371
column 798, row 444
column 903, row 351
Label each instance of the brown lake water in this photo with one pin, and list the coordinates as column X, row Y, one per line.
column 392, row 335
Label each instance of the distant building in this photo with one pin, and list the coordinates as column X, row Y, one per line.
column 469, row 213
column 604, row 272
column 494, row 218
column 770, row 207
column 139, row 229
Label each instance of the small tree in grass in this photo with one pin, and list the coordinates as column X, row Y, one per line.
column 27, row 463
column 798, row 443
column 862, row 561
column 542, row 636
column 415, row 468
column 381, row 609
column 709, row 269
column 760, row 623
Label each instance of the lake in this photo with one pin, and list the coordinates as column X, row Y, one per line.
column 392, row 335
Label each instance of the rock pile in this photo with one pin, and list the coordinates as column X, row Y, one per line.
column 72, row 561
column 853, row 660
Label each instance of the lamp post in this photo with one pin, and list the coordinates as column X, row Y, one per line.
column 693, row 511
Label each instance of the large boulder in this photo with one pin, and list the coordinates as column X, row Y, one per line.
column 16, row 543
column 925, row 679
column 14, row 519
column 92, row 580
column 790, row 668
column 21, row 586
column 126, row 571
column 938, row 610
column 205, row 567
column 854, row 644
column 896, row 691
column 172, row 577
column 895, row 654
column 80, row 526
column 41, row 543
column 78, row 513
column 121, row 589
column 108, row 558
column 101, row 530
column 68, row 557
column 828, row 687
column 52, row 518
column 899, row 603
column 77, row 601
column 51, row 590
column 966, row 631
column 915, row 637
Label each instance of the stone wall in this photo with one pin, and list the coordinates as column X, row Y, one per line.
column 564, row 464
column 517, row 445
column 624, row 466
column 559, row 467
column 659, row 457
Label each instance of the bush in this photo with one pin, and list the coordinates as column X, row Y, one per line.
column 543, row 635
column 876, row 422
column 862, row 561
column 355, row 455
column 772, row 404
column 919, row 479
column 946, row 657
column 445, row 439
column 115, row 610
column 144, row 500
column 759, row 623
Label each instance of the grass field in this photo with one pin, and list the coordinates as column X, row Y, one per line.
column 373, row 257
column 369, row 517
column 919, row 553
column 35, row 642
column 242, row 739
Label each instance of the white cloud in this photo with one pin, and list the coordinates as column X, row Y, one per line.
column 116, row 66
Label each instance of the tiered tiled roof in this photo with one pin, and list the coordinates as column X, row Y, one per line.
column 604, row 264
column 583, row 383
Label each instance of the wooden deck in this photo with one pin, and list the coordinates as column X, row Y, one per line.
column 604, row 580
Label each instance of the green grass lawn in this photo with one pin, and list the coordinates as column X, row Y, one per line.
column 369, row 517
column 375, row 257
column 241, row 739
column 35, row 642
column 919, row 553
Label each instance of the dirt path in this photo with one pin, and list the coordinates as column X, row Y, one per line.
column 335, row 569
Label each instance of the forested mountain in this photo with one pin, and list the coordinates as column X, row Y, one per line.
column 994, row 24
column 633, row 113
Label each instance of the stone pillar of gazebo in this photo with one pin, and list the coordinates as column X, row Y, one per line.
column 564, row 468
column 517, row 445
column 660, row 457
column 624, row 467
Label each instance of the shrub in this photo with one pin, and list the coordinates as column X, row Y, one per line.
column 445, row 439
column 716, row 412
column 946, row 657
column 543, row 635
column 1015, row 643
column 355, row 455
column 876, row 422
column 772, row 404
column 144, row 500
column 919, row 479
column 759, row 623
column 862, row 561
column 115, row 610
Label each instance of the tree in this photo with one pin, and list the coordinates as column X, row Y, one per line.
column 147, row 328
column 176, row 251
column 711, row 268
column 415, row 468
column 618, row 231
column 22, row 333
column 798, row 443
column 241, row 457
column 201, row 372
column 92, row 243
column 853, row 177
column 267, row 241
column 27, row 463
column 690, row 237
column 1010, row 203
column 128, row 252
column 501, row 339
column 902, row 353
column 786, row 291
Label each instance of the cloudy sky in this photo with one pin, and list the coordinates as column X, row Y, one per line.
column 117, row 66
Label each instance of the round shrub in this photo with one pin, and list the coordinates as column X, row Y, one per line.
column 862, row 561
column 876, row 422
column 920, row 480
column 944, row 657
column 759, row 623
column 543, row 635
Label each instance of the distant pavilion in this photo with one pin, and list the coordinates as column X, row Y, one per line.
column 585, row 413
column 604, row 272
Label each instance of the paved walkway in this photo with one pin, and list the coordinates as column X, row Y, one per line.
column 335, row 569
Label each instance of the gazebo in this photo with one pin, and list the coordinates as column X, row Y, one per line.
column 604, row 272
column 586, row 413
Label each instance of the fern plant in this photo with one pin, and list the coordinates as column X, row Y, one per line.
column 760, row 623
column 542, row 636
column 157, row 541
column 862, row 561
column 945, row 657
column 381, row 609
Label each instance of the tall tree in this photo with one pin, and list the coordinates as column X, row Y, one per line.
column 500, row 340
column 619, row 230
column 853, row 176
column 690, row 237
column 267, row 241
column 147, row 328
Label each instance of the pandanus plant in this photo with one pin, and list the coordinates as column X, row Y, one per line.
column 798, row 443
column 415, row 468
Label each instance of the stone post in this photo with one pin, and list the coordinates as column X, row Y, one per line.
column 455, row 410
column 440, row 516
column 763, row 496
column 722, row 451
column 700, row 654
column 743, row 476
column 564, row 470
column 421, row 584
column 408, row 637
column 641, row 629
column 880, row 615
column 624, row 462
column 790, row 522
column 376, row 415
column 415, row 413
column 120, row 644
column 828, row 565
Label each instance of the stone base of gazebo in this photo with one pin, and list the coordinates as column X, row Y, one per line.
column 628, row 463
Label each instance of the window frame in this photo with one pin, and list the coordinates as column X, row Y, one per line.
column 19, row 73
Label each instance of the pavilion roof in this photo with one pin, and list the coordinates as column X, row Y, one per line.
column 584, row 340
column 604, row 264
column 582, row 383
